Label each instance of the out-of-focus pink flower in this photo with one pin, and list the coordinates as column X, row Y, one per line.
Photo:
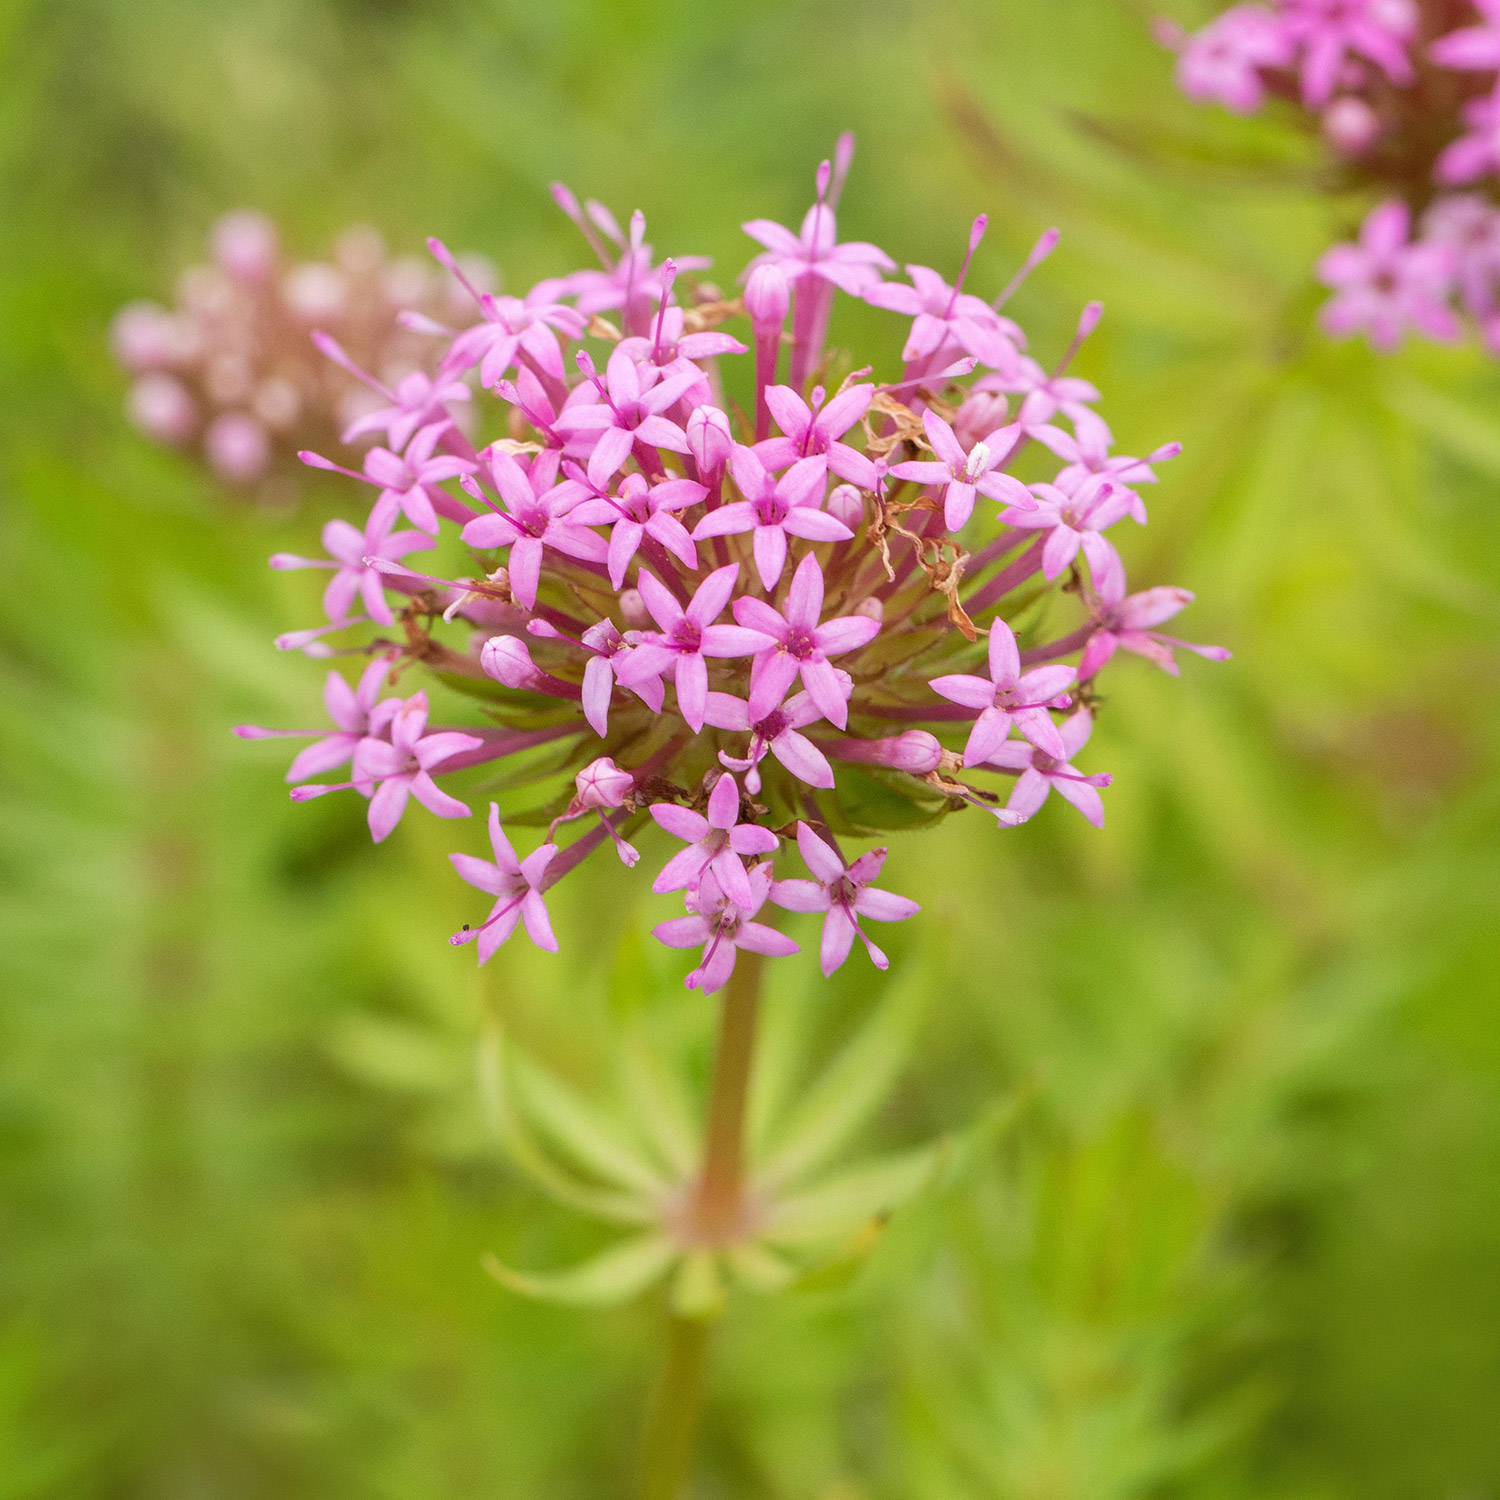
column 1384, row 285
column 1471, row 156
column 162, row 408
column 238, row 447
column 1331, row 33
column 1130, row 622
column 1474, row 48
column 1222, row 63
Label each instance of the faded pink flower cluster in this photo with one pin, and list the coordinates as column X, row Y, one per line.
column 1407, row 95
column 825, row 613
column 230, row 370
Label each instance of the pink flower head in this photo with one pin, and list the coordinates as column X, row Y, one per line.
column 627, row 414
column 777, row 732
column 416, row 401
column 353, row 576
column 1128, row 621
column 853, row 267
column 349, row 708
column 533, row 518
column 391, row 770
column 641, row 510
column 1040, row 772
column 717, row 843
column 946, row 320
column 1383, row 285
column 846, row 893
column 408, row 483
column 796, row 644
column 1075, row 522
column 723, row 926
column 1473, row 155
column 687, row 636
column 1007, row 698
column 515, row 328
column 1330, row 32
column 516, row 885
column 813, row 430
column 963, row 474
column 775, row 510
column 1223, row 62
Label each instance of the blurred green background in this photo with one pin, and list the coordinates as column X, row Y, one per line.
column 1246, row 1240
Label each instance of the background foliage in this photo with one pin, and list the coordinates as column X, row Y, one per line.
column 1244, row 1240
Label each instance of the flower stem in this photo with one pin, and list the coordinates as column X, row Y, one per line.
column 715, row 1216
column 672, row 1426
column 718, row 1210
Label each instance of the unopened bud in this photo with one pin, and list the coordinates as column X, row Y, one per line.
column 160, row 406
column 633, row 608
column 245, row 245
column 916, row 752
column 847, row 505
column 767, row 297
column 1350, row 125
column 710, row 439
column 602, row 784
column 508, row 661
column 871, row 608
column 145, row 336
column 237, row 447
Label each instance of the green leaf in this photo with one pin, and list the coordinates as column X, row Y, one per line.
column 596, row 1141
column 872, row 1191
column 849, row 1091
column 658, row 1104
column 613, row 1276
column 760, row 1269
column 495, row 1096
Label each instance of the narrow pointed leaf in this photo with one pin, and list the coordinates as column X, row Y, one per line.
column 613, row 1276
column 872, row 1191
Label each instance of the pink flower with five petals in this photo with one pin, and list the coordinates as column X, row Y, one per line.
column 717, row 843
column 963, row 474
column 1007, row 698
column 516, row 885
column 724, row 926
column 1041, row 772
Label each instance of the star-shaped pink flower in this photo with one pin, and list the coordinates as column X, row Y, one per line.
column 687, row 636
column 351, row 710
column 1474, row 48
column 628, row 415
column 774, row 509
column 535, row 516
column 796, row 644
column 1328, row 31
column 816, row 429
column 1041, row 772
column 717, row 843
column 1074, row 523
column 1007, row 698
column 515, row 326
column 963, row 474
column 723, row 926
column 638, row 511
column 1127, row 622
column 516, row 885
column 777, row 732
column 353, row 576
column 846, row 893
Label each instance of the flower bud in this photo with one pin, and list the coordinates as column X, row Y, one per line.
column 508, row 661
column 916, row 752
column 633, row 608
column 767, row 297
column 238, row 448
column 847, row 505
column 871, row 608
column 245, row 245
column 145, row 336
column 1350, row 125
column 709, row 440
column 602, row 784
column 316, row 292
column 979, row 416
column 161, row 407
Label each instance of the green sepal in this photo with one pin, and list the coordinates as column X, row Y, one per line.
column 613, row 1276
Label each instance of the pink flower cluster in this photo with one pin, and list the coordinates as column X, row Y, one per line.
column 1407, row 95
column 821, row 614
column 230, row 369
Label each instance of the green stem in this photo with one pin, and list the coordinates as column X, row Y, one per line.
column 672, row 1426
column 715, row 1217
